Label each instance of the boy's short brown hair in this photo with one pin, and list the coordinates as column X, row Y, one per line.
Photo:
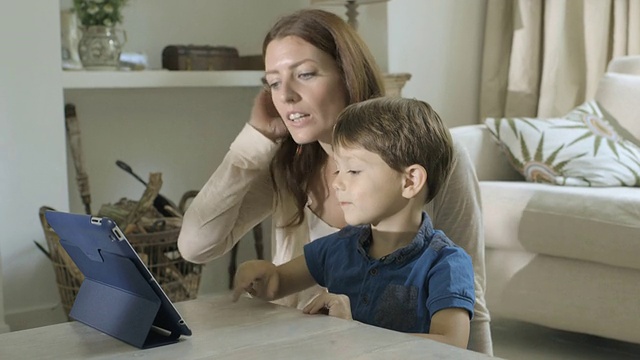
column 402, row 132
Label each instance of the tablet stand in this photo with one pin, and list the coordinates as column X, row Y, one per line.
column 127, row 310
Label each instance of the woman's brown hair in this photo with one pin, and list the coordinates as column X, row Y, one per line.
column 293, row 166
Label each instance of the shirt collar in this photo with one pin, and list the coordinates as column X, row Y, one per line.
column 403, row 254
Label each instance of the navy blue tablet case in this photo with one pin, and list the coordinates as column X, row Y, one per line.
column 119, row 295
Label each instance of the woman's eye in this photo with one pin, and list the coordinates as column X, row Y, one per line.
column 354, row 172
column 306, row 75
column 273, row 85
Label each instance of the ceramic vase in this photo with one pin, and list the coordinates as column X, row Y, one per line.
column 100, row 47
column 70, row 37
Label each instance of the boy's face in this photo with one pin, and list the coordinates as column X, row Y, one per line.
column 369, row 191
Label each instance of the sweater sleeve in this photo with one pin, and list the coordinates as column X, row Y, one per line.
column 457, row 211
column 237, row 196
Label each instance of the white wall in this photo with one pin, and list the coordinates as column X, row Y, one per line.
column 372, row 27
column 440, row 43
column 32, row 147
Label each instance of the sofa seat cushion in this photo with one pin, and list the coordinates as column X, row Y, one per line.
column 598, row 224
column 601, row 225
column 573, row 295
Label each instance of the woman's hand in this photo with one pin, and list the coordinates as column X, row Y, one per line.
column 336, row 305
column 259, row 278
column 265, row 117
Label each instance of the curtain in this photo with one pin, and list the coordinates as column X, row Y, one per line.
column 542, row 58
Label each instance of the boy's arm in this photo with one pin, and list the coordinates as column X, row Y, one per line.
column 450, row 326
column 294, row 276
column 264, row 280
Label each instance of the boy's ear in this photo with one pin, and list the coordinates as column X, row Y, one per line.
column 415, row 179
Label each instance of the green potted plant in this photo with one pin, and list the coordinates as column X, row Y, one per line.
column 99, row 12
column 100, row 46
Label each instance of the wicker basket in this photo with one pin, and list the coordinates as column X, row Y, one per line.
column 178, row 278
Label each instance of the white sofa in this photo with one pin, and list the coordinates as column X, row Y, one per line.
column 560, row 256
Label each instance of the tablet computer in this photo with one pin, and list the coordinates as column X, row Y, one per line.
column 119, row 296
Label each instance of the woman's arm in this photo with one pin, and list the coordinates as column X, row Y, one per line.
column 236, row 197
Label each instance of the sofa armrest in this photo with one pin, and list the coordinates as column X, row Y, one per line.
column 629, row 64
column 490, row 162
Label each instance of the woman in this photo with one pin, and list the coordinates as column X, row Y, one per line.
column 278, row 165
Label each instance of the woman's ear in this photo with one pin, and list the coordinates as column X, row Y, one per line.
column 415, row 180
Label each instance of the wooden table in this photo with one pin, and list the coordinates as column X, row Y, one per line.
column 248, row 329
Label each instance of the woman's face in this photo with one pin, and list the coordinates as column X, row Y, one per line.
column 306, row 87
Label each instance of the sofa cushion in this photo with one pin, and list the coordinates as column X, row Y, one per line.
column 582, row 148
column 503, row 203
column 596, row 224
column 572, row 295
column 485, row 154
column 619, row 94
column 626, row 64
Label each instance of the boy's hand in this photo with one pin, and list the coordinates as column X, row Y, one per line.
column 337, row 305
column 257, row 277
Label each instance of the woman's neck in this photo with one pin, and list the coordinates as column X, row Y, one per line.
column 326, row 146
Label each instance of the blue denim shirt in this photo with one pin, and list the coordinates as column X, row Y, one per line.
column 400, row 291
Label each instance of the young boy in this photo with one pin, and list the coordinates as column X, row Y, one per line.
column 389, row 267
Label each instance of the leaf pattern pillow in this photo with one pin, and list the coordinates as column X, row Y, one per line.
column 583, row 148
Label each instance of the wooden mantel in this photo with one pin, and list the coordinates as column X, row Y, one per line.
column 394, row 83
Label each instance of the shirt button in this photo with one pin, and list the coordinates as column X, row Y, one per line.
column 365, row 299
column 373, row 271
